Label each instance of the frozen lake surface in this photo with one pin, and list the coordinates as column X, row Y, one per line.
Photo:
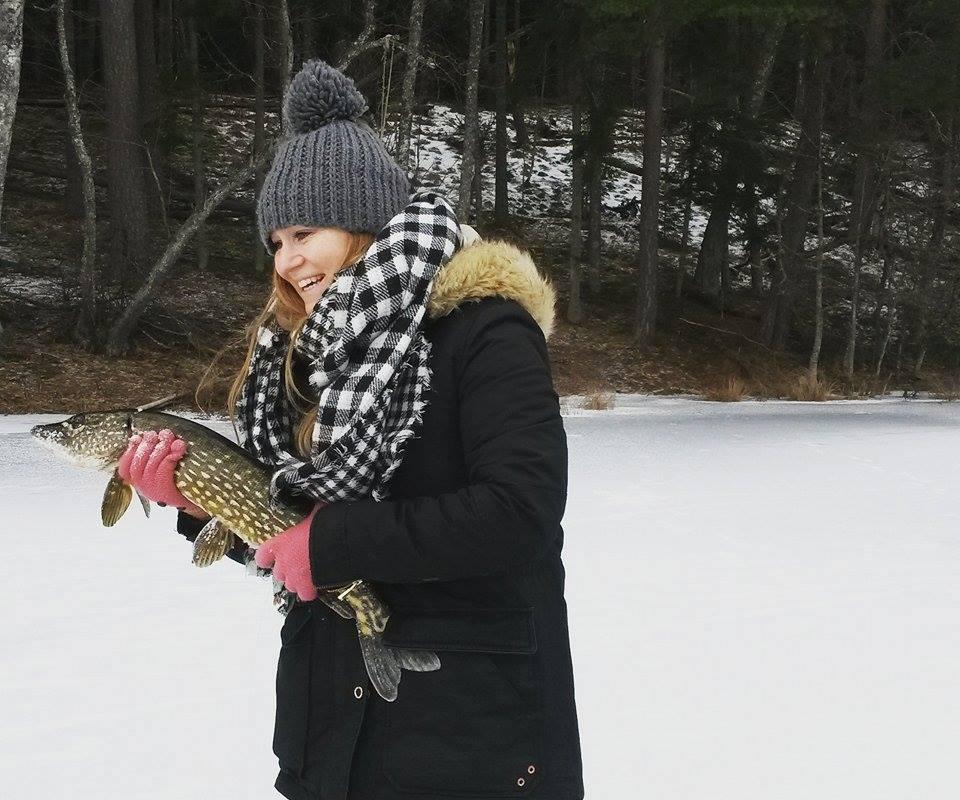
column 764, row 604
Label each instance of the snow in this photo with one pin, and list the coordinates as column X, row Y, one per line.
column 763, row 603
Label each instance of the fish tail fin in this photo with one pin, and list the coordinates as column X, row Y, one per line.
column 383, row 665
column 417, row 660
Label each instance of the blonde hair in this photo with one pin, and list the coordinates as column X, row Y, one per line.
column 285, row 306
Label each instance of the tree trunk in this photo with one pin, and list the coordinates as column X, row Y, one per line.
column 408, row 97
column 501, row 209
column 480, row 161
column 779, row 310
column 196, row 135
column 127, row 200
column 11, row 48
column 575, row 305
column 147, row 74
column 471, row 118
column 647, row 266
column 516, row 104
column 284, row 55
column 713, row 259
column 165, row 59
column 86, row 326
column 74, row 196
column 594, row 208
column 944, row 143
column 306, row 45
column 814, row 363
column 861, row 209
column 259, row 123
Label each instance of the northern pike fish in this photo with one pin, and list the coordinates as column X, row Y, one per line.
column 234, row 489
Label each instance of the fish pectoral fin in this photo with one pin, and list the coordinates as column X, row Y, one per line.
column 116, row 500
column 212, row 543
column 145, row 503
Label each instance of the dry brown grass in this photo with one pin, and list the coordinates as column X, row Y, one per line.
column 731, row 391
column 807, row 388
column 598, row 400
column 946, row 389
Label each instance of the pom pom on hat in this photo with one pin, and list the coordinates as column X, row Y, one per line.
column 319, row 94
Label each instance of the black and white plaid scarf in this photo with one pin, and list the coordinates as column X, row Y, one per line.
column 367, row 362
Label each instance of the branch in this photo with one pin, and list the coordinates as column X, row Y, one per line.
column 362, row 43
column 120, row 332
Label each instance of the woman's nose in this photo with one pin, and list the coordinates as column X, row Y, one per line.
column 286, row 259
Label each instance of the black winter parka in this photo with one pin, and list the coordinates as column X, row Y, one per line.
column 466, row 554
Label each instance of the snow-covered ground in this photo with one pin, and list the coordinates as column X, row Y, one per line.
column 763, row 604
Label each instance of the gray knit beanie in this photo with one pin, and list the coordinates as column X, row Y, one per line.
column 333, row 170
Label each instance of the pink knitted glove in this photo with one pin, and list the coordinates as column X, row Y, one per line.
column 288, row 554
column 149, row 464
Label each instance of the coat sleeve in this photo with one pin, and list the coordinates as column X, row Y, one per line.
column 515, row 454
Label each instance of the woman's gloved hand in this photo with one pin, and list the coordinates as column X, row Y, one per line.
column 288, row 555
column 149, row 464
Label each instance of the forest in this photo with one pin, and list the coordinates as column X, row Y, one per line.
column 731, row 198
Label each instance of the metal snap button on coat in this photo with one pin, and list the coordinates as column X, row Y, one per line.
column 531, row 769
column 358, row 692
column 520, row 781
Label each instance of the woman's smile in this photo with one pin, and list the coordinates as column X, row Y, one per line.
column 309, row 258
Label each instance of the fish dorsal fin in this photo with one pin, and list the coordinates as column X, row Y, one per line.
column 116, row 500
column 212, row 543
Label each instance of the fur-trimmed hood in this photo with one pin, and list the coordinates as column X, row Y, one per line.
column 493, row 269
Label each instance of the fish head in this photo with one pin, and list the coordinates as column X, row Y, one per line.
column 91, row 440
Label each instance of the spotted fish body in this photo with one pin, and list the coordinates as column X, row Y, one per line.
column 232, row 487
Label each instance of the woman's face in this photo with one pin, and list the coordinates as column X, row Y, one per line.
column 309, row 258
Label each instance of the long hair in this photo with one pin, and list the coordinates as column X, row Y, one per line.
column 286, row 307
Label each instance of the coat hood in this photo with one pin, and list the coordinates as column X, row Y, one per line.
column 493, row 269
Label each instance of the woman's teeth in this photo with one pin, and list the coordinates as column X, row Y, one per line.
column 306, row 283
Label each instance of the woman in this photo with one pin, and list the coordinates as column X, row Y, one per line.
column 401, row 380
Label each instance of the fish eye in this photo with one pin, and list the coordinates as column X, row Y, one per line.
column 77, row 419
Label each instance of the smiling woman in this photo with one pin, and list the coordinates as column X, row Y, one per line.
column 399, row 377
column 307, row 260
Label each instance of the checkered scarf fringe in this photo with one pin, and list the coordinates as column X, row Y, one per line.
column 368, row 363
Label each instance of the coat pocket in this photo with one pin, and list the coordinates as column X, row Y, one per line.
column 293, row 689
column 473, row 728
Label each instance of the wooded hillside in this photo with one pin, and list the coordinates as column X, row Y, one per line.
column 730, row 196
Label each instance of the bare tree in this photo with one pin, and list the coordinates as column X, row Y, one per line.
column 501, row 209
column 408, row 94
column 647, row 264
column 286, row 51
column 259, row 120
column 86, row 323
column 11, row 47
column 364, row 40
column 119, row 336
column 128, row 209
column 471, row 117
column 778, row 312
column 864, row 183
column 813, row 365
column 149, row 101
column 713, row 257
column 196, row 133
column 575, row 305
column 118, row 339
